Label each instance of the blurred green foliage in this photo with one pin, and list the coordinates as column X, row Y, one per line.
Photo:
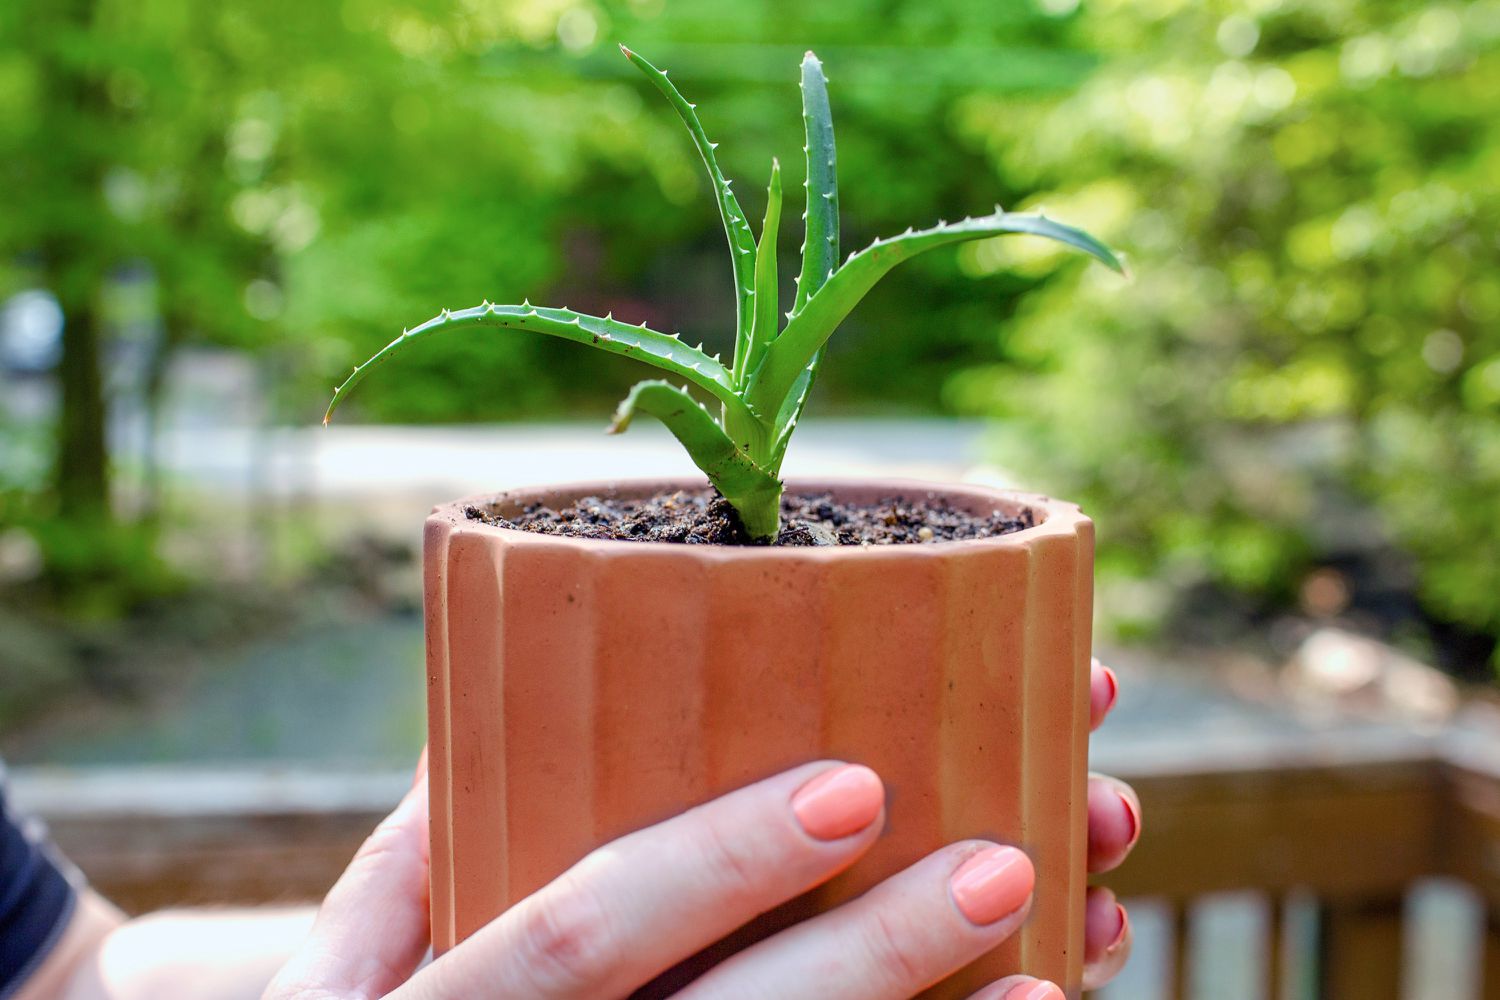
column 320, row 175
column 1308, row 360
column 302, row 180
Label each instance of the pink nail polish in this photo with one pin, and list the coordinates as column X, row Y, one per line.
column 992, row 884
column 839, row 802
column 1135, row 820
column 1040, row 990
column 1104, row 688
column 1119, row 940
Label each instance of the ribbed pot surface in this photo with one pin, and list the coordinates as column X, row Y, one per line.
column 582, row 689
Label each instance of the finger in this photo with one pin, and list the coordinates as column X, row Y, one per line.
column 1020, row 988
column 900, row 937
column 639, row 905
column 1114, row 822
column 1104, row 691
column 1107, row 937
column 372, row 929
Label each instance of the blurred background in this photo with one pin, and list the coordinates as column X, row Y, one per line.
column 1286, row 424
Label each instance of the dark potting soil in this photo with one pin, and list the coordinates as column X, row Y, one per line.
column 704, row 517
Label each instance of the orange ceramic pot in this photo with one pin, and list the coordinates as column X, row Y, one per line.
column 582, row 689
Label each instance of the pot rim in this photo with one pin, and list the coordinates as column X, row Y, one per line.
column 1055, row 517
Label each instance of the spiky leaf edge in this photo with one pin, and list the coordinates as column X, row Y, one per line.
column 736, row 226
column 820, row 241
column 807, row 331
column 764, row 328
column 754, row 435
column 664, row 351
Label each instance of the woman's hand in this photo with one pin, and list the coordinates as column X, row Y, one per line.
column 643, row 903
column 1114, row 827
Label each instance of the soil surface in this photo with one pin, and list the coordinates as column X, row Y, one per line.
column 706, row 518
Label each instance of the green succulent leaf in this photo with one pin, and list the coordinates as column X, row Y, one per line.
column 791, row 412
column 765, row 388
column 763, row 330
column 662, row 350
column 736, row 227
column 820, row 243
column 754, row 492
column 809, row 329
column 752, row 434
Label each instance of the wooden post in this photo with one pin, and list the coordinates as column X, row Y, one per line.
column 1490, row 957
column 1361, row 949
column 1276, row 944
column 1182, row 949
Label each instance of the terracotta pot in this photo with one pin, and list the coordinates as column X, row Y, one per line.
column 580, row 689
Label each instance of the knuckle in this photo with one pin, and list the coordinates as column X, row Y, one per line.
column 386, row 842
column 568, row 936
column 733, row 861
column 896, row 952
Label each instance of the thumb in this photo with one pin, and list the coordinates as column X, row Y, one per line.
column 372, row 929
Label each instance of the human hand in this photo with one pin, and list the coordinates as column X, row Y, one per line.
column 643, row 903
column 1114, row 827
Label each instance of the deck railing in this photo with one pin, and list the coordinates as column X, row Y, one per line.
column 1342, row 828
column 1346, row 831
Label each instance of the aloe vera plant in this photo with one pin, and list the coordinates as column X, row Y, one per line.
column 762, row 391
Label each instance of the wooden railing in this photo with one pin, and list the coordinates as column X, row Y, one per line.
column 150, row 837
column 1349, row 825
column 1348, row 829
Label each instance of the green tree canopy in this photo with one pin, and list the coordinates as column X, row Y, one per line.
column 1309, row 358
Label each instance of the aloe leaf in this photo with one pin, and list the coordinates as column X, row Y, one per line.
column 736, row 228
column 664, row 351
column 820, row 243
column 752, row 434
column 809, row 329
column 754, row 493
column 763, row 330
column 791, row 411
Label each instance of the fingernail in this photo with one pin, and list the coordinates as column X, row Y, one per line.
column 992, row 884
column 839, row 802
column 1134, row 818
column 1040, row 990
column 1104, row 688
column 1119, row 940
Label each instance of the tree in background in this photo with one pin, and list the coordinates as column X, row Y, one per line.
column 300, row 180
column 211, row 148
column 1307, row 364
column 1306, row 186
column 104, row 128
column 602, row 204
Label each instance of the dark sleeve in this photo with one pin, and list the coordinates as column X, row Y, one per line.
column 36, row 898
